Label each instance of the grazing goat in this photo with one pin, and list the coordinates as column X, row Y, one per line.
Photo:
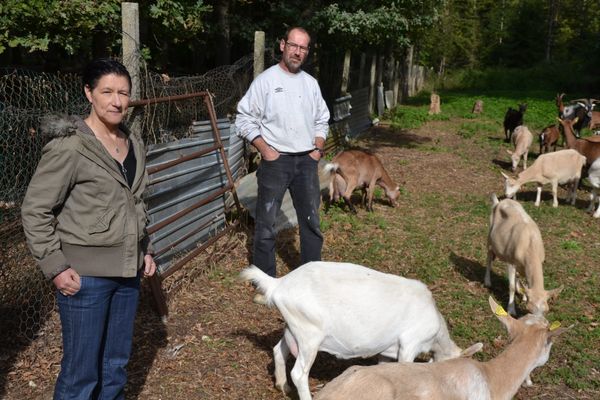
column 531, row 338
column 558, row 168
column 512, row 119
column 579, row 110
column 353, row 169
column 549, row 138
column 522, row 139
column 516, row 239
column 594, row 179
column 590, row 149
column 350, row 311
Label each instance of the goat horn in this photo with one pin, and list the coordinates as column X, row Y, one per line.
column 586, row 101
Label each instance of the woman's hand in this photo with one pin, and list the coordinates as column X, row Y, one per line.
column 67, row 282
column 149, row 265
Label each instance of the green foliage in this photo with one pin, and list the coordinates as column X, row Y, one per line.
column 181, row 19
column 38, row 24
column 376, row 24
column 554, row 77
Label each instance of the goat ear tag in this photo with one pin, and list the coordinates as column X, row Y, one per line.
column 555, row 325
column 500, row 311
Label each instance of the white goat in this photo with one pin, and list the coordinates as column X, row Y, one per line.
column 594, row 179
column 516, row 239
column 351, row 311
column 557, row 168
column 457, row 379
column 522, row 139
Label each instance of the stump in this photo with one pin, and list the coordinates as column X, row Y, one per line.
column 478, row 107
column 434, row 106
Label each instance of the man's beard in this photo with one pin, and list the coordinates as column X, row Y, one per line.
column 292, row 64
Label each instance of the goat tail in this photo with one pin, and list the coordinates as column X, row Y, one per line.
column 264, row 283
column 331, row 168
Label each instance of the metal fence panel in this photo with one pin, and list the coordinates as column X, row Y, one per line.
column 184, row 185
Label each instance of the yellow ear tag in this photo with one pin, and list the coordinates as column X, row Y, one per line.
column 500, row 311
column 555, row 325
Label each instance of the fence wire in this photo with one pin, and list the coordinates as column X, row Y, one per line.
column 26, row 298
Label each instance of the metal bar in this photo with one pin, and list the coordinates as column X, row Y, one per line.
column 177, row 215
column 183, row 238
column 195, row 252
column 159, row 296
column 156, row 282
column 177, row 161
column 166, row 99
column 217, row 135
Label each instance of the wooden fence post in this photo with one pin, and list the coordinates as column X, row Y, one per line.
column 259, row 52
column 361, row 73
column 131, row 55
column 397, row 75
column 346, row 73
column 372, row 82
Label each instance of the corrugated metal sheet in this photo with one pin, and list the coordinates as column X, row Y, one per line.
column 182, row 186
column 351, row 113
column 360, row 119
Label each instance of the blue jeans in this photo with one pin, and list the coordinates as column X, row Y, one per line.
column 97, row 329
column 298, row 174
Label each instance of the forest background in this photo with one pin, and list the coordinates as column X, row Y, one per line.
column 552, row 43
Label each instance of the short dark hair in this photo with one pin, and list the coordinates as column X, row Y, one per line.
column 298, row 28
column 100, row 67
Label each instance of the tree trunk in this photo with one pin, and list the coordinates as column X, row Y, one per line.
column 223, row 44
column 406, row 84
column 552, row 15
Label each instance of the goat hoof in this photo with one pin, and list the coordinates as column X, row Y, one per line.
column 285, row 388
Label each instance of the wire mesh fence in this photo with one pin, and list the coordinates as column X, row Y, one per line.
column 26, row 298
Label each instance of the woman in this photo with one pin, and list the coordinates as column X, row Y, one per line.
column 85, row 223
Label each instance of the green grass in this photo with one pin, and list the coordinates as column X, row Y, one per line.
column 439, row 237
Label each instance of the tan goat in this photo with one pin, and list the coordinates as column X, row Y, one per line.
column 353, row 169
column 522, row 139
column 457, row 379
column 557, row 168
column 516, row 239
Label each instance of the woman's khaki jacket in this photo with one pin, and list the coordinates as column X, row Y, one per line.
column 79, row 212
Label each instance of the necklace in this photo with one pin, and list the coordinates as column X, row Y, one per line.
column 115, row 143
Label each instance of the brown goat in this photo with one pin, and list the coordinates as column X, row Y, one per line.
column 353, row 169
column 589, row 148
column 594, row 117
column 549, row 138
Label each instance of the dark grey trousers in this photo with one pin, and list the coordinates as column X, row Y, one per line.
column 299, row 174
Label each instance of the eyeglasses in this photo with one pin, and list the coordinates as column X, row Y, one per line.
column 295, row 47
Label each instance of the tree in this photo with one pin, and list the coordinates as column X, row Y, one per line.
column 39, row 25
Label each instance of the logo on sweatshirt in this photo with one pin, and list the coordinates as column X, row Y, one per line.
column 279, row 90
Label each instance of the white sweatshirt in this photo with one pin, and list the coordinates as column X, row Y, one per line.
column 286, row 109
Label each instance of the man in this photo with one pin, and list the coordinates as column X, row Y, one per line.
column 284, row 116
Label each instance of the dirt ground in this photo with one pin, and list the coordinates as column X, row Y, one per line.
column 216, row 343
